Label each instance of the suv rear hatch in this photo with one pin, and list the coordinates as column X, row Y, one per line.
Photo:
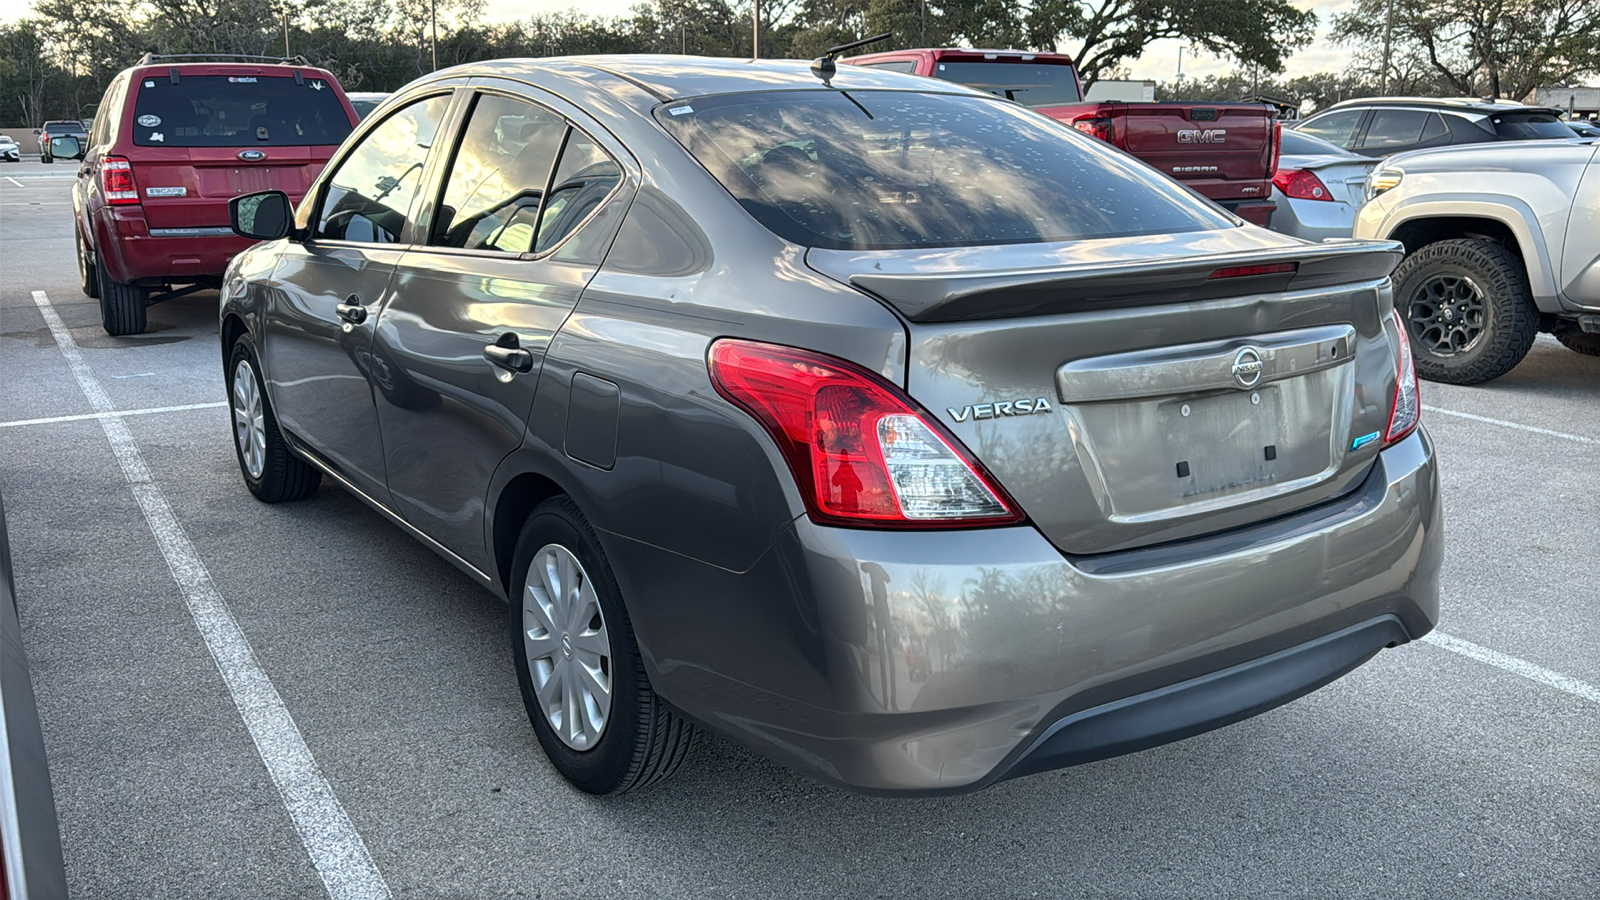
column 202, row 135
column 1132, row 391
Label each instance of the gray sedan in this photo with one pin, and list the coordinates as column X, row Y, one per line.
column 872, row 422
column 1318, row 187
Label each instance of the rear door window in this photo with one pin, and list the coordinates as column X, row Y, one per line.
column 1335, row 128
column 1395, row 127
column 238, row 111
column 369, row 196
column 585, row 177
column 881, row 170
column 1031, row 84
column 499, row 175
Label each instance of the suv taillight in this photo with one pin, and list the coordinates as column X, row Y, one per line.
column 1406, row 410
column 862, row 453
column 1094, row 126
column 116, row 181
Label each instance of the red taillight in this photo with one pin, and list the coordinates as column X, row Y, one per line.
column 862, row 453
column 1094, row 126
column 1406, row 409
column 116, row 181
column 1248, row 271
column 1301, row 184
column 1277, row 146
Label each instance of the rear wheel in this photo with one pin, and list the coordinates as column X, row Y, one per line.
column 1468, row 309
column 582, row 679
column 46, row 158
column 1583, row 342
column 88, row 278
column 122, row 306
column 271, row 471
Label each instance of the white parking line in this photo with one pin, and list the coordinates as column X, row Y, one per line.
column 1578, row 438
column 14, row 181
column 1548, row 677
column 331, row 840
column 112, row 415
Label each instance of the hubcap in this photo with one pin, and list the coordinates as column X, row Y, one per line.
column 249, row 425
column 568, row 649
column 1446, row 314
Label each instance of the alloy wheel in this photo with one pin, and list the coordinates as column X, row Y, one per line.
column 1447, row 314
column 567, row 646
column 249, row 422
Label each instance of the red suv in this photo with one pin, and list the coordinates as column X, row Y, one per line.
column 175, row 138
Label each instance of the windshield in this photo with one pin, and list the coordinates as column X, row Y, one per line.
column 1530, row 126
column 1031, row 84
column 238, row 111
column 879, row 170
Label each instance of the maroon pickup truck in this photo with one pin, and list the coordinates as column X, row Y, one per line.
column 1224, row 151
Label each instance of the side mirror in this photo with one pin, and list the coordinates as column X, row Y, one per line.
column 263, row 216
column 67, row 147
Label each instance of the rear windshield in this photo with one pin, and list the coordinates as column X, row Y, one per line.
column 1530, row 126
column 65, row 126
column 880, row 170
column 1031, row 84
column 238, row 111
column 1297, row 144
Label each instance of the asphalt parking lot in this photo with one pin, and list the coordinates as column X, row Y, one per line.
column 249, row 701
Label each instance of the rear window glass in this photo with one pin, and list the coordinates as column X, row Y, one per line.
column 1530, row 126
column 879, row 170
column 238, row 111
column 1297, row 144
column 1031, row 84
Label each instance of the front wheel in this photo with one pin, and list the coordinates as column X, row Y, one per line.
column 1468, row 310
column 583, row 681
column 271, row 471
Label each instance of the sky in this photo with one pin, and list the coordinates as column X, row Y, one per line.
column 1159, row 62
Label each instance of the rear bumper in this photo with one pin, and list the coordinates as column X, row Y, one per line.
column 1256, row 212
column 133, row 253
column 1313, row 220
column 892, row 662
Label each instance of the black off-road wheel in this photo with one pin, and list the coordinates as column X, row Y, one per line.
column 1583, row 342
column 88, row 268
column 122, row 306
column 583, row 681
column 1468, row 309
column 270, row 469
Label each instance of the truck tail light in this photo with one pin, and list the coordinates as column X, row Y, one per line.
column 1301, row 184
column 862, row 453
column 1406, row 410
column 1094, row 126
column 116, row 182
column 1277, row 145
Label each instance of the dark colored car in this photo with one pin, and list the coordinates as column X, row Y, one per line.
column 881, row 425
column 1226, row 152
column 30, row 838
column 1380, row 126
column 174, row 140
column 365, row 102
column 57, row 128
column 1582, row 128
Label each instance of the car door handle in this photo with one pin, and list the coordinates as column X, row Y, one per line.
column 351, row 310
column 512, row 359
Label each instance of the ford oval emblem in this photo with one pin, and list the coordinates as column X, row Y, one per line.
column 252, row 155
column 1247, row 367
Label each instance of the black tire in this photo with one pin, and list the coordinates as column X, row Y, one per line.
column 122, row 306
column 1486, row 296
column 642, row 741
column 283, row 476
column 1583, row 342
column 88, row 268
column 46, row 158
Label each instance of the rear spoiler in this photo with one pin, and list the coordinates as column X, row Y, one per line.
column 949, row 297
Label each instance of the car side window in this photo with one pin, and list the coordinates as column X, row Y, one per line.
column 1395, row 127
column 108, row 113
column 583, row 180
column 369, row 195
column 1434, row 128
column 498, row 177
column 1335, row 128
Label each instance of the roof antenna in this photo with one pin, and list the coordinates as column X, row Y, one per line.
column 823, row 66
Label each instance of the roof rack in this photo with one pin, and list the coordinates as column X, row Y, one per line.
column 149, row 58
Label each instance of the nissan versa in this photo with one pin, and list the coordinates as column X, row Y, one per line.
column 887, row 428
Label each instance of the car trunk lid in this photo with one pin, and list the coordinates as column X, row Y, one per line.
column 1131, row 391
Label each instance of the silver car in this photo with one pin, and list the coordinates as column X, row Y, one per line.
column 9, row 151
column 1317, row 187
column 878, row 424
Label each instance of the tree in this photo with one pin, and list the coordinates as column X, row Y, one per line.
column 1497, row 48
column 1104, row 33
